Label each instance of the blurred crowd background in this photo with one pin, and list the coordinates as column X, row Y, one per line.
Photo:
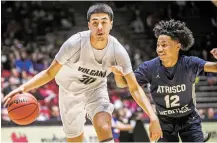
column 32, row 33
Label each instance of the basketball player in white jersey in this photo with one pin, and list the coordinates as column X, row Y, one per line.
column 80, row 69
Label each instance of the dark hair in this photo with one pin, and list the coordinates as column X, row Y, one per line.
column 177, row 31
column 100, row 8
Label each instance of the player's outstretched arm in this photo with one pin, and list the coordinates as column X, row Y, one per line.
column 38, row 80
column 211, row 66
column 142, row 100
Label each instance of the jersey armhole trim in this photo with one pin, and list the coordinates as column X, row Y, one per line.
column 79, row 49
column 114, row 54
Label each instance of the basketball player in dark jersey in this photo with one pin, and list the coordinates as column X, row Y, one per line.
column 172, row 82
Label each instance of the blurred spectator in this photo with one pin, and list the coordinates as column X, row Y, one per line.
column 25, row 77
column 121, row 115
column 212, row 78
column 202, row 113
column 44, row 113
column 55, row 113
column 193, row 9
column 214, row 21
column 24, row 63
column 65, row 23
column 211, row 114
column 13, row 82
column 47, row 94
column 138, row 25
column 37, row 61
column 2, row 97
column 181, row 8
column 137, row 58
column 126, row 46
column 118, row 104
column 130, row 104
column 4, row 114
column 205, row 54
column 120, row 127
column 152, row 19
column 37, row 94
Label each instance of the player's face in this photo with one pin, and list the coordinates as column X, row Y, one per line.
column 167, row 48
column 100, row 26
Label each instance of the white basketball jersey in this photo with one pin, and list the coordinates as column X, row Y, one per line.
column 80, row 71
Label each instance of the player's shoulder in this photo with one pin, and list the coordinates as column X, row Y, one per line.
column 114, row 41
column 184, row 59
column 187, row 59
column 78, row 36
column 84, row 34
column 152, row 62
column 115, row 45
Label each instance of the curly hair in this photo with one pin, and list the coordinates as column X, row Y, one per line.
column 177, row 30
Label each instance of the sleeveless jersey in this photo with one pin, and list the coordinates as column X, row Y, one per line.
column 173, row 96
column 80, row 71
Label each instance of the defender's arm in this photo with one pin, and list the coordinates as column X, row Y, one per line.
column 211, row 66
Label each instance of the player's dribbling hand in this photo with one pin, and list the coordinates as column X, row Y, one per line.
column 214, row 52
column 118, row 70
column 8, row 97
column 155, row 130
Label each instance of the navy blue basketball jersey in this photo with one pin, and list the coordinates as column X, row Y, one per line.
column 173, row 88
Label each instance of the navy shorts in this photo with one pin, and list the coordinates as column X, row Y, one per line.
column 187, row 127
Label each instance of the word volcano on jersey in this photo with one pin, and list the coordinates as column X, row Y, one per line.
column 92, row 72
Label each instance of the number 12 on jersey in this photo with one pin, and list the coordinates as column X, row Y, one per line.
column 172, row 101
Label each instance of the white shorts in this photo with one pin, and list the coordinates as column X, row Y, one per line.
column 73, row 109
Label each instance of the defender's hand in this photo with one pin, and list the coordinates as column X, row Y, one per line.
column 8, row 97
column 214, row 52
column 118, row 70
column 155, row 130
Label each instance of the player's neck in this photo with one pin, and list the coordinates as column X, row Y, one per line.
column 99, row 45
column 170, row 63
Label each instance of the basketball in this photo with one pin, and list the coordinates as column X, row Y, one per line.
column 23, row 109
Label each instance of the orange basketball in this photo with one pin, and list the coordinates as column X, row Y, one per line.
column 23, row 108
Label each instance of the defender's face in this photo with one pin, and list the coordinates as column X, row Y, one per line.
column 100, row 26
column 167, row 48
